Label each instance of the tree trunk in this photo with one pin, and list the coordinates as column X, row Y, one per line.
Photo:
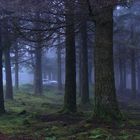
column 70, row 83
column 105, row 102
column 38, row 71
column 122, row 67
column 84, row 81
column 121, row 77
column 138, row 73
column 2, row 108
column 80, row 72
column 9, row 86
column 16, row 68
column 133, row 74
column 117, row 78
column 90, row 69
column 59, row 75
column 124, row 75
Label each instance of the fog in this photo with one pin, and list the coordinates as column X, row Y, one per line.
column 70, row 70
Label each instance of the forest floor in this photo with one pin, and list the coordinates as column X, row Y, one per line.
column 35, row 118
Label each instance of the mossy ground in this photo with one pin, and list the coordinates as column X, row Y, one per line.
column 36, row 118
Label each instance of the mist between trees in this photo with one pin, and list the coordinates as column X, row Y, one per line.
column 85, row 50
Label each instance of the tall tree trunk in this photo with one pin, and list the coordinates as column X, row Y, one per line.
column 133, row 74
column 70, row 83
column 105, row 102
column 44, row 75
column 44, row 67
column 59, row 62
column 117, row 77
column 16, row 68
column 2, row 108
column 122, row 66
column 80, row 72
column 124, row 75
column 9, row 86
column 121, row 76
column 84, row 82
column 138, row 75
column 90, row 68
column 38, row 87
column 38, row 71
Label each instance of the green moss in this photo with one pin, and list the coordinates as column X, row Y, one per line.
column 23, row 119
column 15, row 121
column 125, row 135
column 31, row 103
column 82, row 136
column 137, row 137
column 50, row 138
column 100, row 133
column 10, row 124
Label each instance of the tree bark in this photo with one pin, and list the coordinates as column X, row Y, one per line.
column 133, row 74
column 90, row 68
column 84, row 81
column 70, row 81
column 138, row 74
column 80, row 72
column 16, row 68
column 2, row 108
column 121, row 76
column 105, row 102
column 59, row 62
column 124, row 75
column 122, row 67
column 38, row 71
column 9, row 86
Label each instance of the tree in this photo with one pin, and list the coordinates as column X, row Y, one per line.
column 6, row 47
column 2, row 108
column 84, row 63
column 38, row 70
column 133, row 61
column 16, row 66
column 80, row 71
column 105, row 102
column 138, row 73
column 122, row 68
column 59, row 63
column 133, row 73
column 9, row 86
column 70, row 82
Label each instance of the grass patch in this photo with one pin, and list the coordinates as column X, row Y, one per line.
column 22, row 119
column 22, row 113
